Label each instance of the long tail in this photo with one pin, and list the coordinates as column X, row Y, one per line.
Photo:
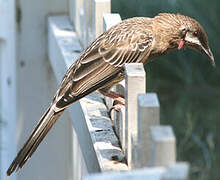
column 44, row 125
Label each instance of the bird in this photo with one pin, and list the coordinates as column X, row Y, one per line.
column 101, row 65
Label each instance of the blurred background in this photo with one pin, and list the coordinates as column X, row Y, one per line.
column 187, row 85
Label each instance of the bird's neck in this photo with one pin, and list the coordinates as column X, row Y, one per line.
column 167, row 34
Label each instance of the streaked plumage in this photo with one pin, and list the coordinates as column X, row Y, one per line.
column 100, row 66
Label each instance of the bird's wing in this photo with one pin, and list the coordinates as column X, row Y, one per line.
column 101, row 62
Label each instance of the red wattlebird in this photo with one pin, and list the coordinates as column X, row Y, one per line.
column 100, row 66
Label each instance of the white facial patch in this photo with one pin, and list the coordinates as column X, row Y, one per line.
column 192, row 39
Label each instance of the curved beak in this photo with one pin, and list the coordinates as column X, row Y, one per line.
column 194, row 43
column 208, row 52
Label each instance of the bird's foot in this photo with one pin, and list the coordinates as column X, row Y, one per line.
column 117, row 105
column 119, row 100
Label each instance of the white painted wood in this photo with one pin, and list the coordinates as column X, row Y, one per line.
column 87, row 6
column 71, row 10
column 163, row 145
column 136, row 160
column 96, row 142
column 106, row 144
column 8, row 85
column 77, row 17
column 82, row 32
column 75, row 7
column 110, row 20
column 32, row 88
column 6, row 18
column 134, row 84
column 99, row 8
column 63, row 49
column 177, row 171
column 140, row 174
column 28, row 84
column 148, row 115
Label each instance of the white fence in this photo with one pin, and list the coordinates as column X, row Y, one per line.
column 91, row 144
column 144, row 143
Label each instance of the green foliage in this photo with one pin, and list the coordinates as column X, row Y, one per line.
column 187, row 85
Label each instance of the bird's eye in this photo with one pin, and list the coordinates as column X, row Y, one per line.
column 195, row 33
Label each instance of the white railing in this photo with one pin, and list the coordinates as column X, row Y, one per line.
column 90, row 145
column 144, row 142
column 94, row 136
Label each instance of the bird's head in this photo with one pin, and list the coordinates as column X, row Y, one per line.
column 194, row 36
column 186, row 32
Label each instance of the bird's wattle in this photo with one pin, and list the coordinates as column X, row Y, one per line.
column 181, row 44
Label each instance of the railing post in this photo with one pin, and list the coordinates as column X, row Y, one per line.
column 163, row 145
column 144, row 142
column 96, row 148
column 148, row 115
column 110, row 20
column 99, row 8
column 76, row 15
column 134, row 85
column 71, row 10
column 88, row 23
column 139, row 174
column 177, row 171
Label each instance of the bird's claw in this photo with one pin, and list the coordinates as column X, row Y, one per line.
column 117, row 105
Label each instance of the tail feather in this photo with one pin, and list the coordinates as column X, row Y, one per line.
column 44, row 125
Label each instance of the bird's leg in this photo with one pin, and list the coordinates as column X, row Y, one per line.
column 118, row 103
column 118, row 99
column 116, row 106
